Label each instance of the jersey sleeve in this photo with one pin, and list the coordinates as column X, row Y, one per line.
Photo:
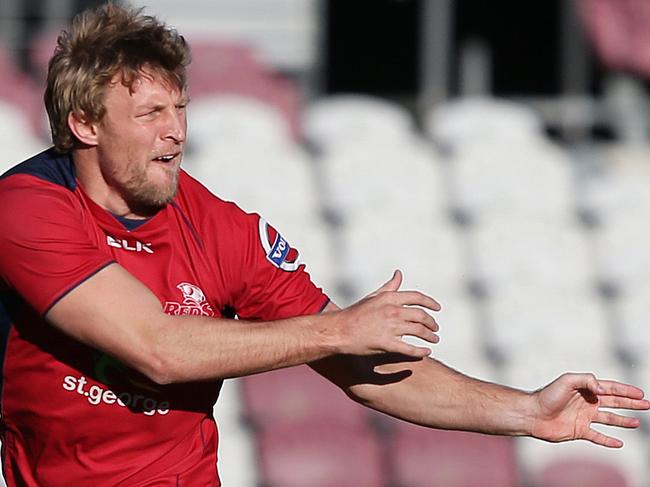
column 45, row 248
column 275, row 283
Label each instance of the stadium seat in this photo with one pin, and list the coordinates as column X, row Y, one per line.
column 40, row 50
column 533, row 368
column 271, row 179
column 430, row 255
column 238, row 74
column 296, row 395
column 385, row 181
column 546, row 320
column 21, row 96
column 530, row 179
column 338, row 122
column 557, row 464
column 236, row 120
column 213, row 58
column 421, row 457
column 320, row 454
column 618, row 186
column 236, row 456
column 622, row 252
column 631, row 310
column 16, row 136
column 477, row 121
column 514, row 252
column 585, row 472
column 619, row 33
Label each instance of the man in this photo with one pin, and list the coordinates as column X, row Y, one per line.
column 119, row 270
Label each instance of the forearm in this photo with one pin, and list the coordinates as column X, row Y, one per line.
column 429, row 393
column 191, row 348
column 438, row 396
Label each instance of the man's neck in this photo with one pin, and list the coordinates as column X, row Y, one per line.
column 91, row 179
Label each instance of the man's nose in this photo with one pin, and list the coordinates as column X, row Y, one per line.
column 175, row 126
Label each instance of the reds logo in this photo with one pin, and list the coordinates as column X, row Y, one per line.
column 278, row 251
column 194, row 302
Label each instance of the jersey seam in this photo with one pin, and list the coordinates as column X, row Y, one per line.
column 186, row 220
column 70, row 288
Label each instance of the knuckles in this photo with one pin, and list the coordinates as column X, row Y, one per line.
column 391, row 311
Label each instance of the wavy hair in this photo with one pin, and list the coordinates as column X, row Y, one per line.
column 101, row 44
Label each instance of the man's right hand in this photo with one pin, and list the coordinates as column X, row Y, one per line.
column 378, row 322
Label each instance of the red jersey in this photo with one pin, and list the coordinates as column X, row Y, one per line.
column 72, row 415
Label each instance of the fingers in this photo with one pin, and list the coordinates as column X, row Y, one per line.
column 420, row 331
column 612, row 419
column 615, row 388
column 624, row 403
column 417, row 315
column 601, row 439
column 409, row 350
column 413, row 298
column 605, row 387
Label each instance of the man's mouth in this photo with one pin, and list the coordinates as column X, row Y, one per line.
column 166, row 158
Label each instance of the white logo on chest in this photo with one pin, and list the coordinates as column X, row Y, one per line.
column 133, row 246
column 194, row 302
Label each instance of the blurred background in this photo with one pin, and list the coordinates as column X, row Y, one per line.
column 497, row 152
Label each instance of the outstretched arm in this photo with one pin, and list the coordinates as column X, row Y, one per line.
column 117, row 314
column 427, row 392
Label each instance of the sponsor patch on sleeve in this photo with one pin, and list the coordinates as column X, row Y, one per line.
column 277, row 249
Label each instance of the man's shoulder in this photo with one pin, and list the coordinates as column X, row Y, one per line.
column 48, row 166
column 41, row 185
column 193, row 193
column 211, row 216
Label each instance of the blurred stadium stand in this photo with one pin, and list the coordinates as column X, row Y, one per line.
column 499, row 156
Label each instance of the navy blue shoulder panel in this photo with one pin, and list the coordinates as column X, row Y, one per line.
column 9, row 303
column 49, row 165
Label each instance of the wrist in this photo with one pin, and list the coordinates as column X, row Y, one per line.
column 529, row 407
column 328, row 337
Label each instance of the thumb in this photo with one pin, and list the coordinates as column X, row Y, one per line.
column 392, row 284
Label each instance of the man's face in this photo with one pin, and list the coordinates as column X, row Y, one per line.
column 140, row 141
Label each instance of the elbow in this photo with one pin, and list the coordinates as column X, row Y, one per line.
column 158, row 358
column 158, row 371
column 160, row 376
column 160, row 366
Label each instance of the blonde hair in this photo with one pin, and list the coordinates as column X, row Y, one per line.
column 102, row 43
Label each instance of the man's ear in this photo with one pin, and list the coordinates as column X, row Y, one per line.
column 82, row 128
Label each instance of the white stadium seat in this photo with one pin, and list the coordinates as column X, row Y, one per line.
column 512, row 252
column 236, row 450
column 430, row 256
column 619, row 187
column 548, row 321
column 622, row 251
column 531, row 178
column 631, row 313
column 400, row 181
column 631, row 460
column 233, row 119
column 470, row 121
column 16, row 137
column 277, row 183
column 340, row 121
